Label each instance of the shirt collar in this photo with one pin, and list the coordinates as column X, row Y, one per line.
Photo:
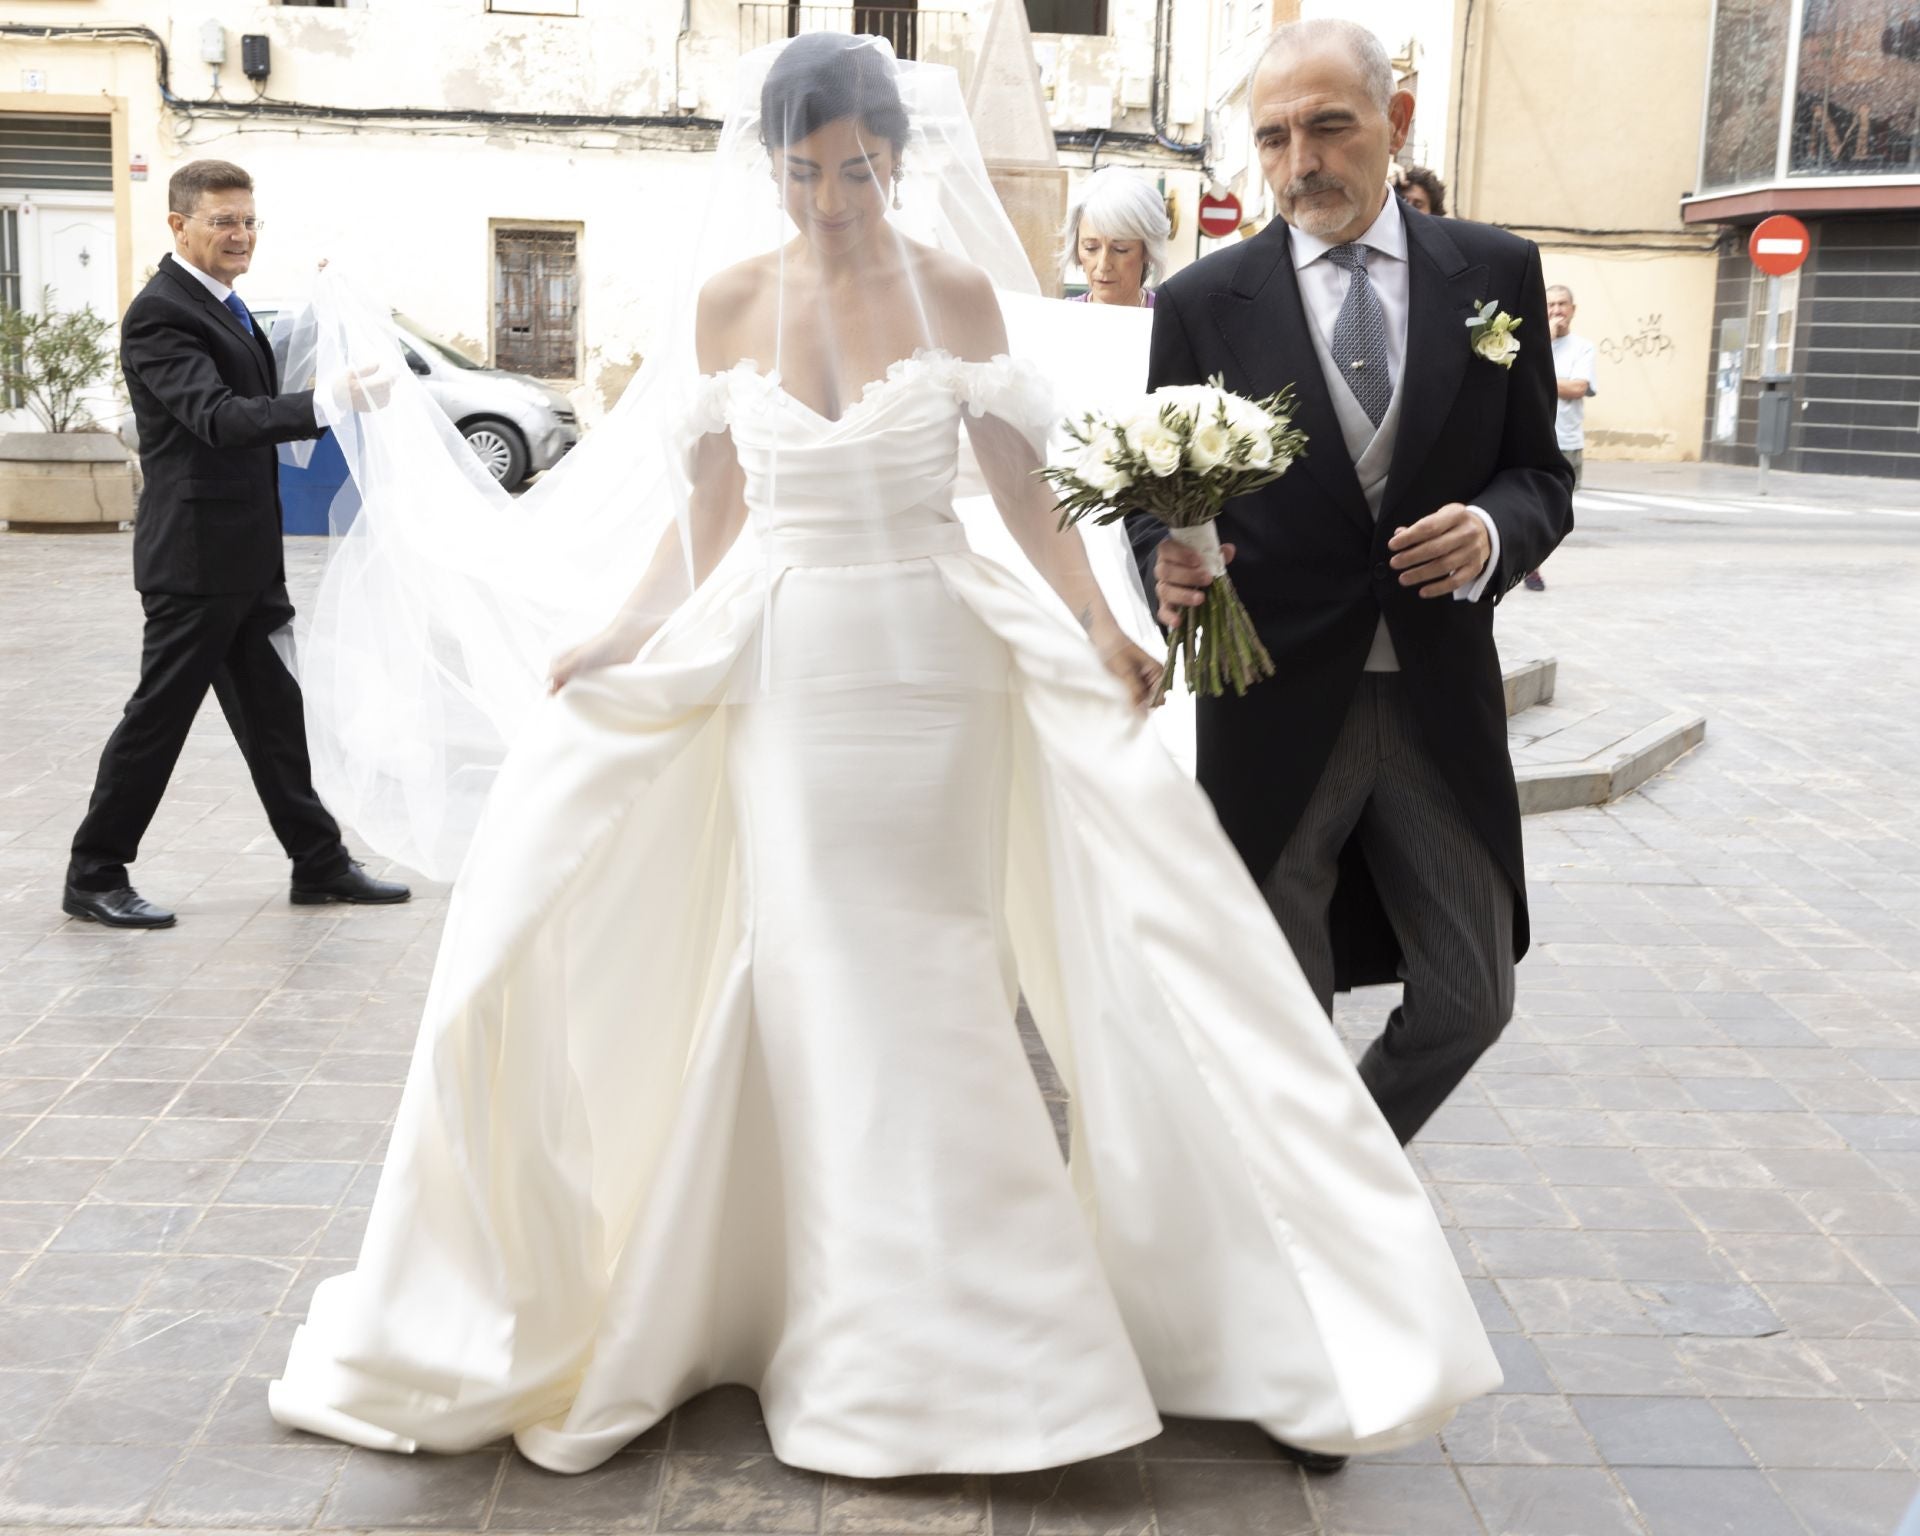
column 1387, row 234
column 213, row 285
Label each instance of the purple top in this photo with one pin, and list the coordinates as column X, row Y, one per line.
column 1146, row 295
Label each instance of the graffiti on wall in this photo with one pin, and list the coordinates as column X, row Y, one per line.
column 1646, row 342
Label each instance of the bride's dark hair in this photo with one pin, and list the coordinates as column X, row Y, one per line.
column 821, row 77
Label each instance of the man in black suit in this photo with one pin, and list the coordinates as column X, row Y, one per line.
column 207, row 562
column 1368, row 785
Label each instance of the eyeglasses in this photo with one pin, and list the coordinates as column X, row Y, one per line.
column 226, row 223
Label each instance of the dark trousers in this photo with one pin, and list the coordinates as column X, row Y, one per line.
column 191, row 644
column 1449, row 900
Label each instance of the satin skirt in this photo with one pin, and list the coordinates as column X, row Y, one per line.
column 718, row 1081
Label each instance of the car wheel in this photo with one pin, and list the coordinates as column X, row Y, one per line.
column 500, row 447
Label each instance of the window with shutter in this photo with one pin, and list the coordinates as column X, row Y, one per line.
column 55, row 154
column 536, row 301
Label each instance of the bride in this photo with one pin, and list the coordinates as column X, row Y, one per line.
column 717, row 1080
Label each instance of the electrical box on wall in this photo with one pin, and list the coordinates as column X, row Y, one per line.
column 255, row 63
column 213, row 43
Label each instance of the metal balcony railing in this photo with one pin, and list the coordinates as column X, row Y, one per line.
column 932, row 37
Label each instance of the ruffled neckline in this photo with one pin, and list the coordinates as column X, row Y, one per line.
column 1001, row 385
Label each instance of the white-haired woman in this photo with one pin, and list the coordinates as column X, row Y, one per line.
column 1117, row 234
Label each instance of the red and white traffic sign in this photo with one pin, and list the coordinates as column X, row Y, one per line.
column 1219, row 216
column 1778, row 245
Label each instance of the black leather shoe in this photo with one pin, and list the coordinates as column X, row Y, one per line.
column 354, row 885
column 1319, row 1463
column 124, row 908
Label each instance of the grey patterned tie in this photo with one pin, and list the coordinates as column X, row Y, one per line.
column 1360, row 335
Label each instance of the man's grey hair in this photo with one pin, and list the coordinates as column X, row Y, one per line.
column 1367, row 51
column 1553, row 288
column 1122, row 205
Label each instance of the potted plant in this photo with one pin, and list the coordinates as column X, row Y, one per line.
column 73, row 473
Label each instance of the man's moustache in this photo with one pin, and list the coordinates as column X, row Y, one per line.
column 1308, row 186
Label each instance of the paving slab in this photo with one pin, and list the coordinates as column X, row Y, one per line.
column 1685, row 1185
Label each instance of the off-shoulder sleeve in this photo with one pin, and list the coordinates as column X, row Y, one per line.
column 707, row 404
column 1010, row 388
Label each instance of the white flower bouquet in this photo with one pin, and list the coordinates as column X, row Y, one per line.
column 1181, row 455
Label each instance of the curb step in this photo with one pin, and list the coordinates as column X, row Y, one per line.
column 1529, row 683
column 1565, row 756
column 1606, row 777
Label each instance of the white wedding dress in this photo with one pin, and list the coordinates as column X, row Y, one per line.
column 718, row 1080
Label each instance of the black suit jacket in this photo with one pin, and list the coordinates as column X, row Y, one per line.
column 1311, row 560
column 207, row 406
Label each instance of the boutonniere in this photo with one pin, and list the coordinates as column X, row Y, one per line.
column 1490, row 333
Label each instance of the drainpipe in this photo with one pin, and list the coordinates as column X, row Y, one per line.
column 679, row 48
column 1163, row 84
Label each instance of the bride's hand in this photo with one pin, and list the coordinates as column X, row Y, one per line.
column 1138, row 670
column 617, row 643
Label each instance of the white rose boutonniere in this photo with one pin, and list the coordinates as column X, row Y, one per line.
column 1490, row 333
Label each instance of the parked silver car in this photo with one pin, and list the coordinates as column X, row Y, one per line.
column 516, row 425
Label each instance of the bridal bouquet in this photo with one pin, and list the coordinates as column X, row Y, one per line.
column 1181, row 455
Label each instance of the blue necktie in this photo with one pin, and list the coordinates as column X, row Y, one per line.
column 1359, row 342
column 239, row 308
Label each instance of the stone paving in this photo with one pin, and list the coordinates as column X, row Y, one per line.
column 1683, row 1187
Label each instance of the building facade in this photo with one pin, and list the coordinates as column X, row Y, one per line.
column 1576, row 125
column 1813, row 110
column 510, row 173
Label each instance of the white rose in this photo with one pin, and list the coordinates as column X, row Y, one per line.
column 1156, row 442
column 1260, row 451
column 1502, row 349
column 1210, row 445
column 1190, row 399
column 1248, row 418
column 1097, row 467
column 1145, row 426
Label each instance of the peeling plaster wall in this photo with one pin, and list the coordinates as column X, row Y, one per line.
column 1580, row 128
column 410, row 205
column 616, row 57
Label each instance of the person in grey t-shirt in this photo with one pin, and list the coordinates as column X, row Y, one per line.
column 1576, row 376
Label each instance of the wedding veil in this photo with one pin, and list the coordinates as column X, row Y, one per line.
column 850, row 237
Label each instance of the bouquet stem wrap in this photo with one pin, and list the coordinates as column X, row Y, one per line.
column 1216, row 642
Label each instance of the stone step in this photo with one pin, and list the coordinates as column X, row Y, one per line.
column 1530, row 683
column 1571, row 755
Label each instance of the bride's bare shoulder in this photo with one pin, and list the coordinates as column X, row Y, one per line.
column 950, row 278
column 742, row 280
column 963, row 301
column 726, row 301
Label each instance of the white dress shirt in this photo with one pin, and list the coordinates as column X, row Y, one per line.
column 220, row 290
column 1323, row 289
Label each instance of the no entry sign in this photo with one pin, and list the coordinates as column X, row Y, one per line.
column 1778, row 245
column 1219, row 216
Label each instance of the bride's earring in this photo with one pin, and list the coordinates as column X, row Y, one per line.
column 896, row 191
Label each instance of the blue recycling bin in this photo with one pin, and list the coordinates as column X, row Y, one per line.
column 306, row 495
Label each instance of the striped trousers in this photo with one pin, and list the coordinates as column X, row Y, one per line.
column 1450, row 902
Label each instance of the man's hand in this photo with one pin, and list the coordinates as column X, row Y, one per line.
column 366, row 388
column 1443, row 552
column 1180, row 579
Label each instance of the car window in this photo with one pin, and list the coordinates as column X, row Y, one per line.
column 442, row 349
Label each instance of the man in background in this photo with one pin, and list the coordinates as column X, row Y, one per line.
column 207, row 562
column 1576, row 376
column 1424, row 192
